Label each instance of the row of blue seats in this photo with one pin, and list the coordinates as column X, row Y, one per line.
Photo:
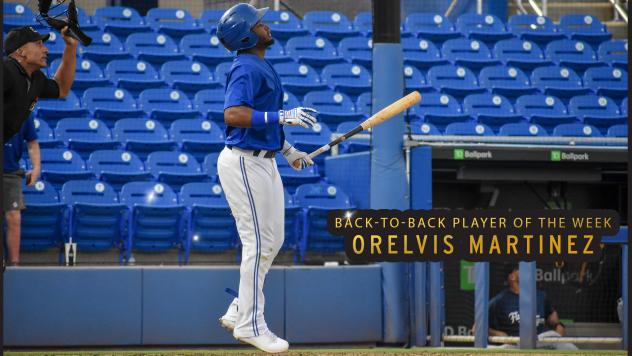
column 152, row 217
column 333, row 25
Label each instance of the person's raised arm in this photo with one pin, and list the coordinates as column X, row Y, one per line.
column 65, row 74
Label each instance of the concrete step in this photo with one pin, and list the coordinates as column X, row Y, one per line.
column 603, row 10
column 619, row 29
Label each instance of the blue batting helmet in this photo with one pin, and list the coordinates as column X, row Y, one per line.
column 234, row 28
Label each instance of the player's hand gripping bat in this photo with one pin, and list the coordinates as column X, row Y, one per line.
column 377, row 118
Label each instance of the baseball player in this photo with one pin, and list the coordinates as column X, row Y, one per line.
column 254, row 115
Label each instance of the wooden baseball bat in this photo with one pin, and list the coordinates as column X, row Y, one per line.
column 377, row 118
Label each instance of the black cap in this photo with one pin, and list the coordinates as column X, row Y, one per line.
column 20, row 36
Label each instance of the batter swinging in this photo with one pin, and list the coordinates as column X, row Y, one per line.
column 254, row 115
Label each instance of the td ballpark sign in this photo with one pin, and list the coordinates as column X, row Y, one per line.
column 460, row 154
column 557, row 156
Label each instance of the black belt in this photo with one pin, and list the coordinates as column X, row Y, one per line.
column 268, row 154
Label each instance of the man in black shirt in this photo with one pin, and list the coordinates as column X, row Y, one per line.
column 23, row 80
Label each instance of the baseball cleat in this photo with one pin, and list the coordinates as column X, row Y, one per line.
column 228, row 320
column 267, row 342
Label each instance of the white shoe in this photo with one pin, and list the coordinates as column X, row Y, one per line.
column 267, row 342
column 228, row 320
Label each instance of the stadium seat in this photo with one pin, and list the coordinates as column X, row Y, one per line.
column 505, row 80
column 55, row 46
column 84, row 135
column 45, row 136
column 543, row 110
column 490, row 109
column 221, row 72
column 88, row 74
column 607, row 81
column 210, row 103
column 158, row 222
column 173, row 22
column 473, row 54
column 561, row 82
column 155, row 48
column 454, row 80
column 17, row 15
column 299, row 78
column 292, row 178
column 582, row 27
column 414, row 80
column 109, row 104
column 363, row 104
column 188, row 76
column 620, row 130
column 211, row 225
column 133, row 75
column 210, row 18
column 539, row 29
column 522, row 129
column 84, row 20
column 205, row 48
column 485, row 28
column 166, row 105
column 357, row 50
column 333, row 108
column 290, row 101
column 105, row 47
column 421, row 53
column 293, row 224
column 614, row 53
column 523, row 54
column 363, row 22
column 332, row 25
column 423, row 128
column 60, row 165
column 317, row 200
column 209, row 166
column 468, row 129
column 574, row 54
column 284, row 25
column 599, row 111
column 142, row 136
column 174, row 168
column 350, row 79
column 60, row 107
column 276, row 54
column 433, row 27
column 117, row 167
column 308, row 140
column 353, row 144
column 624, row 106
column 44, row 224
column 98, row 222
column 120, row 20
column 577, row 130
column 315, row 51
column 197, row 136
column 439, row 110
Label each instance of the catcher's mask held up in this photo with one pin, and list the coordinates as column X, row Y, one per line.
column 71, row 20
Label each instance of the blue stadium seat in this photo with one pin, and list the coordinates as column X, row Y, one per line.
column 61, row 107
column 333, row 108
column 120, row 20
column 155, row 48
column 357, row 50
column 350, row 79
column 607, row 81
column 414, row 80
column 599, row 111
column 473, row 54
column 44, row 224
column 60, row 165
column 221, row 72
column 292, row 178
column 158, row 221
column 507, row 81
column 433, row 27
column 205, row 48
column 557, row 81
column 142, row 136
column 117, row 167
column 522, row 129
column 308, row 140
column 209, row 166
column 284, row 25
column 293, row 224
column 55, row 46
column 166, row 105
column 317, row 200
column 105, row 47
column 84, row 135
column 574, row 54
column 353, row 144
column 197, row 136
column 290, row 101
column 45, row 136
column 363, row 22
column 421, row 53
column 98, row 222
column 624, row 106
column 210, row 103
column 486, row 28
column 614, row 53
column 329, row 24
column 87, row 75
column 174, row 168
column 211, row 225
column 363, row 104
column 543, row 110
column 490, row 109
column 468, row 129
column 188, row 76
column 299, row 78
column 276, row 54
column 210, row 18
column 523, row 54
column 173, row 22
column 108, row 104
column 17, row 15
column 577, row 130
column 618, row 131
column 423, row 128
column 539, row 29
column 454, row 80
column 85, row 21
column 315, row 51
column 582, row 27
column 133, row 75
column 439, row 110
